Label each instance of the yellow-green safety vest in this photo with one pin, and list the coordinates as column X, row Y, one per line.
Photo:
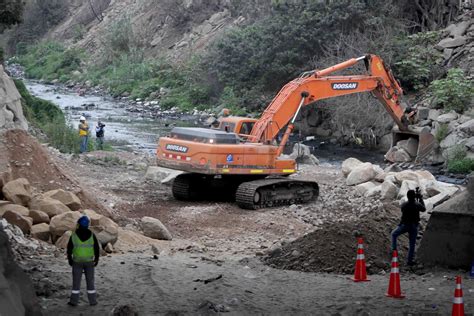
column 83, row 251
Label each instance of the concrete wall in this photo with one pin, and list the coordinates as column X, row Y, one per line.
column 449, row 236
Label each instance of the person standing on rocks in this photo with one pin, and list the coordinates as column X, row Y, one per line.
column 99, row 134
column 83, row 133
column 409, row 222
column 83, row 255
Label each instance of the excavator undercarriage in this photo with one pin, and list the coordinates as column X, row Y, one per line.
column 248, row 192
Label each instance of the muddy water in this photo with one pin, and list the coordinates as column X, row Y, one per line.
column 125, row 130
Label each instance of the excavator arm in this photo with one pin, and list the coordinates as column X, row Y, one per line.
column 317, row 85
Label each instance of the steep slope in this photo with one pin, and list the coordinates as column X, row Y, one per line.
column 174, row 29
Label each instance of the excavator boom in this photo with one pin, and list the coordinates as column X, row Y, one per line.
column 317, row 85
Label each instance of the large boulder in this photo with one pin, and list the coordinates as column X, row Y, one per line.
column 446, row 118
column 406, row 185
column 63, row 222
column 39, row 217
column 49, row 206
column 41, row 231
column 23, row 222
column 160, row 174
column 67, row 198
column 389, row 190
column 360, row 174
column 377, row 190
column 153, row 228
column 349, row 164
column 406, row 175
column 433, row 114
column 17, row 191
column 452, row 140
column 365, row 187
column 396, row 154
column 458, row 29
column 410, row 145
column 11, row 112
column 452, row 42
column 17, row 294
column 467, row 127
column 424, row 175
column 302, row 154
column 63, row 240
column 19, row 209
column 93, row 217
column 105, row 229
column 470, row 143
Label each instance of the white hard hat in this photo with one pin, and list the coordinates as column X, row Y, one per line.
column 82, row 118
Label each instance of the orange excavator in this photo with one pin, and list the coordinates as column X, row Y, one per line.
column 242, row 159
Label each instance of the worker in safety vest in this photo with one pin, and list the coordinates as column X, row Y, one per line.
column 83, row 255
column 83, row 133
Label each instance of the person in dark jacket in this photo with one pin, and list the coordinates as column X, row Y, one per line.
column 83, row 255
column 99, row 135
column 409, row 222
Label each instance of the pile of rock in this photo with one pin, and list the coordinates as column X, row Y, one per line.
column 51, row 216
column 393, row 184
column 457, row 43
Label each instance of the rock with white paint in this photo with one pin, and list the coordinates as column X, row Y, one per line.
column 360, row 174
column 349, row 164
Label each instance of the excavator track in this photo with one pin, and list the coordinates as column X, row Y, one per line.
column 273, row 192
column 184, row 187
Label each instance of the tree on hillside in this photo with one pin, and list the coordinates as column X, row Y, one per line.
column 10, row 13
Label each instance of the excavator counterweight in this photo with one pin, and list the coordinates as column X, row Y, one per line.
column 242, row 159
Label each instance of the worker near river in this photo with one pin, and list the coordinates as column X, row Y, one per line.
column 409, row 222
column 83, row 133
column 83, row 255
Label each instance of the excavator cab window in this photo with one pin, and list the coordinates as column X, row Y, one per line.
column 227, row 127
column 246, row 128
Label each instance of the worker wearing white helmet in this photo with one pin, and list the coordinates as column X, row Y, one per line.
column 83, row 133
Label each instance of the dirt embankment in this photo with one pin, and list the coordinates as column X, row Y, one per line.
column 24, row 157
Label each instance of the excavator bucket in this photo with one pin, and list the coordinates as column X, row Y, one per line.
column 421, row 137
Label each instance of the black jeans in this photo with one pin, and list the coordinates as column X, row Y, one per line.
column 412, row 230
column 88, row 269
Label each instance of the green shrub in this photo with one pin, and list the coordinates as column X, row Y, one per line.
column 418, row 62
column 455, row 92
column 38, row 111
column 458, row 162
column 441, row 132
column 465, row 165
column 258, row 59
column 50, row 60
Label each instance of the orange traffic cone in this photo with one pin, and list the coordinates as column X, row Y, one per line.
column 360, row 274
column 458, row 304
column 394, row 289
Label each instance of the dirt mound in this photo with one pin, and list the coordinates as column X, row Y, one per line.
column 24, row 157
column 332, row 248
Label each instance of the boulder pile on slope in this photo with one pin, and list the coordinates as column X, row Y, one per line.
column 391, row 184
column 52, row 216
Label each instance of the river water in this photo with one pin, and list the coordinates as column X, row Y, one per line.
column 125, row 130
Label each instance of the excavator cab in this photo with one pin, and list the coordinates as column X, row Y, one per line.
column 241, row 126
